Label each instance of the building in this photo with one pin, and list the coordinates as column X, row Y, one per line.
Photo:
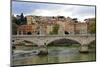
column 72, row 27
column 31, row 27
column 44, row 25
column 27, row 29
column 30, row 20
column 81, row 28
column 66, row 25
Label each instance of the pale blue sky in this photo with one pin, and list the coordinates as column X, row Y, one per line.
column 44, row 9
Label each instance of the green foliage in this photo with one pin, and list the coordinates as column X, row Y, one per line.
column 92, row 27
column 19, row 21
column 15, row 22
column 14, row 28
column 14, row 25
column 51, row 33
column 22, row 19
column 55, row 29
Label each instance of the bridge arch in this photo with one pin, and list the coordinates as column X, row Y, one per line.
column 67, row 39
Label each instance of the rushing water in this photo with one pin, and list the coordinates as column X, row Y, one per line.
column 57, row 55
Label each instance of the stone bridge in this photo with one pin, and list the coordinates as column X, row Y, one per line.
column 42, row 40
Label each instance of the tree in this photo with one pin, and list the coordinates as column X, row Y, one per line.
column 92, row 28
column 22, row 19
column 14, row 28
column 91, row 25
column 15, row 24
column 14, row 20
column 61, row 17
column 55, row 29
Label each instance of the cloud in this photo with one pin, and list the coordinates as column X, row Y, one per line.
column 44, row 9
column 73, row 11
column 50, row 12
column 84, row 10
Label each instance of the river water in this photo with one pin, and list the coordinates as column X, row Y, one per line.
column 57, row 54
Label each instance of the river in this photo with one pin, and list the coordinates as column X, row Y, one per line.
column 58, row 54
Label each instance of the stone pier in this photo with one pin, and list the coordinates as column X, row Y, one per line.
column 43, row 50
column 84, row 49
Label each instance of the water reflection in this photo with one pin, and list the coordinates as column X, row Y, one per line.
column 57, row 55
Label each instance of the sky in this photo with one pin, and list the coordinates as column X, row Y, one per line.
column 47, row 9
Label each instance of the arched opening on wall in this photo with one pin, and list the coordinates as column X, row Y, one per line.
column 38, row 32
column 29, row 33
column 64, row 42
column 66, row 32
